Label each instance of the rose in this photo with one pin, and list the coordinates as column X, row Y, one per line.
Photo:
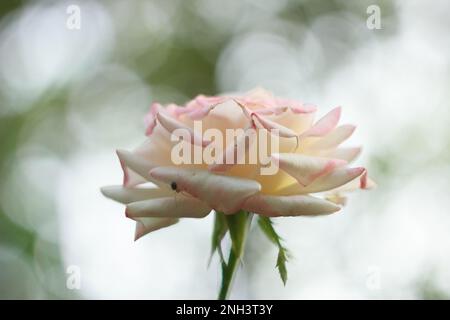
column 312, row 179
column 310, row 158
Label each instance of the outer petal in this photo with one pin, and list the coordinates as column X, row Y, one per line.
column 306, row 168
column 296, row 205
column 333, row 180
column 222, row 193
column 202, row 101
column 324, row 125
column 178, row 206
column 334, row 138
column 171, row 125
column 364, row 183
column 150, row 118
column 147, row 225
column 127, row 195
column 303, row 108
column 137, row 164
column 204, row 106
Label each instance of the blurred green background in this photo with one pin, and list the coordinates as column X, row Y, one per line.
column 70, row 97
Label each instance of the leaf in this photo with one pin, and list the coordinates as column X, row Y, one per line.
column 281, row 264
column 266, row 225
column 219, row 231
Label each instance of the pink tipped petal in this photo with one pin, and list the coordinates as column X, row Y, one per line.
column 150, row 128
column 170, row 124
column 138, row 164
column 178, row 206
column 204, row 101
column 363, row 180
column 325, row 125
column 204, row 105
column 200, row 113
column 270, row 125
column 296, row 205
column 336, row 178
column 247, row 113
column 126, row 174
column 130, row 178
column 147, row 225
column 297, row 122
column 222, row 193
column 306, row 169
column 150, row 118
column 304, row 108
column 334, row 138
column 127, row 195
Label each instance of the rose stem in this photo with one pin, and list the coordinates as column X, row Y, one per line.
column 236, row 251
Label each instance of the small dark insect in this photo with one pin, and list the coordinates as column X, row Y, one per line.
column 173, row 185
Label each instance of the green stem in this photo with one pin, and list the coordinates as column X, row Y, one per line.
column 238, row 224
column 228, row 274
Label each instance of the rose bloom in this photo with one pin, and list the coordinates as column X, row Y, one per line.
column 312, row 179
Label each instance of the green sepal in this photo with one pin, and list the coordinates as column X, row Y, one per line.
column 219, row 231
column 237, row 225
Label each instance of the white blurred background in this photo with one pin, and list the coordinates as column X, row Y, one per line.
column 70, row 97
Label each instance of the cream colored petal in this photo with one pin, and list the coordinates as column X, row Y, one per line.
column 133, row 164
column 222, row 193
column 178, row 206
column 270, row 125
column 171, row 124
column 226, row 115
column 296, row 121
column 270, row 110
column 154, row 150
column 330, row 181
column 324, row 125
column 150, row 118
column 334, row 138
column 296, row 205
column 304, row 168
column 245, row 111
column 147, row 225
column 204, row 106
column 127, row 195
